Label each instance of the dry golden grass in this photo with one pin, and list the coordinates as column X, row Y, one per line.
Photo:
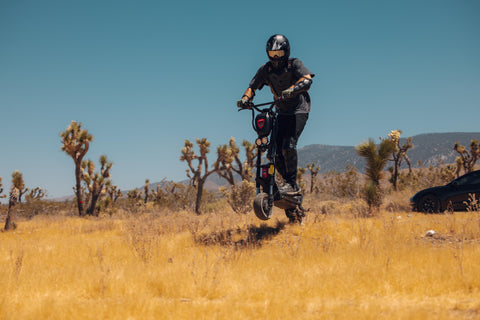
column 181, row 266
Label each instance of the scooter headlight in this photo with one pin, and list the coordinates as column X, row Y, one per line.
column 264, row 140
column 258, row 142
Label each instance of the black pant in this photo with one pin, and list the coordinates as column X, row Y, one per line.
column 289, row 129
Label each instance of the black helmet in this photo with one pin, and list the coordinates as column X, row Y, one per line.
column 278, row 50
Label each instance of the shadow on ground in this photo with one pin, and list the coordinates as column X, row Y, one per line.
column 252, row 236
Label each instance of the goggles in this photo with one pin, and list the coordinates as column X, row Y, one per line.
column 276, row 53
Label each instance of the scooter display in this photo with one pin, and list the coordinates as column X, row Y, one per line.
column 264, row 122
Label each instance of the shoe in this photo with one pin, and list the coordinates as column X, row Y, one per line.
column 295, row 216
column 289, row 189
column 290, row 213
column 285, row 187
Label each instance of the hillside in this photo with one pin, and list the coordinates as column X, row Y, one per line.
column 428, row 148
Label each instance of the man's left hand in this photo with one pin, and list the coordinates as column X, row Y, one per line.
column 287, row 93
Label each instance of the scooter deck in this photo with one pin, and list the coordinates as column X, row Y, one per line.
column 280, row 200
column 286, row 201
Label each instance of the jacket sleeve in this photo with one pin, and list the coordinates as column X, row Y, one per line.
column 258, row 80
column 300, row 70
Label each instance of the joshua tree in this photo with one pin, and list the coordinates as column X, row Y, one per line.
column 300, row 172
column 198, row 176
column 467, row 159
column 158, row 193
column 251, row 153
column 22, row 190
column 35, row 194
column 313, row 174
column 17, row 182
column 376, row 161
column 75, row 142
column 230, row 163
column 1, row 189
column 134, row 195
column 239, row 196
column 226, row 158
column 398, row 154
column 169, row 193
column 96, row 181
column 146, row 189
column 114, row 192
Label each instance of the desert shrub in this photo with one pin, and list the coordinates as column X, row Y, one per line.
column 348, row 208
column 134, row 202
column 341, row 184
column 167, row 195
column 398, row 201
column 106, row 206
column 403, row 179
column 176, row 196
column 143, row 234
column 240, row 197
column 328, row 207
column 372, row 195
column 215, row 205
column 426, row 177
column 473, row 204
column 30, row 209
column 359, row 209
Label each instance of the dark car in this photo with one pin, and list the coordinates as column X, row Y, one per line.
column 455, row 195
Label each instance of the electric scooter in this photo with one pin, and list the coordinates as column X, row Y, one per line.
column 265, row 125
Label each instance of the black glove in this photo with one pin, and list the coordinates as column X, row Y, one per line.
column 287, row 93
column 244, row 103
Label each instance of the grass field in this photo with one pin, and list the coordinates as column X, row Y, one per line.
column 163, row 265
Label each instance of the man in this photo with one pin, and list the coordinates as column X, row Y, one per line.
column 289, row 81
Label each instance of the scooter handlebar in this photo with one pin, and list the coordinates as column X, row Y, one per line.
column 246, row 108
column 256, row 106
column 265, row 104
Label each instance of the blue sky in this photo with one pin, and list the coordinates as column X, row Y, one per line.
column 143, row 76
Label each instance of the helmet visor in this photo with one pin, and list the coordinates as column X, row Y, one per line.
column 275, row 54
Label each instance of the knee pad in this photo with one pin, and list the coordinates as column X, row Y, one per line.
column 289, row 144
column 290, row 154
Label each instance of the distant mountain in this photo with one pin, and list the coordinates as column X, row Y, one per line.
column 329, row 158
column 428, row 148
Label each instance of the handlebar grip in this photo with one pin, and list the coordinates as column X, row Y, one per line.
column 247, row 105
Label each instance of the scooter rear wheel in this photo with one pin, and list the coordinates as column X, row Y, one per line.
column 261, row 208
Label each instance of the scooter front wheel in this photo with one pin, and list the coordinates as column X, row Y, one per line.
column 261, row 208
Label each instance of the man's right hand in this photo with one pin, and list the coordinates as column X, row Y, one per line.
column 244, row 103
